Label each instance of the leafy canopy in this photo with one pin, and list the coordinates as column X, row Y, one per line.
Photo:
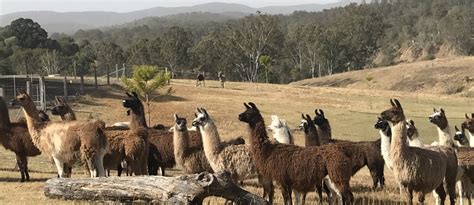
column 146, row 79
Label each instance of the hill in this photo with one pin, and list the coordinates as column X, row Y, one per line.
column 62, row 21
column 440, row 76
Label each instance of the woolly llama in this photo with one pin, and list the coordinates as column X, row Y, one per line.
column 191, row 159
column 66, row 142
column 14, row 136
column 414, row 139
column 304, row 168
column 281, row 131
column 235, row 159
column 363, row 153
column 417, row 170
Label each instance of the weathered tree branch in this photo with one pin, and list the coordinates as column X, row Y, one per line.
column 186, row 189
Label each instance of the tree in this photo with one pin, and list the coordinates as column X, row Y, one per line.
column 108, row 55
column 145, row 52
column 50, row 62
column 29, row 33
column 176, row 44
column 145, row 81
column 265, row 62
column 251, row 37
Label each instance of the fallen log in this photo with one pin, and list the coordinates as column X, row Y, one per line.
column 186, row 189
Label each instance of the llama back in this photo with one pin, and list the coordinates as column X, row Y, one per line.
column 235, row 159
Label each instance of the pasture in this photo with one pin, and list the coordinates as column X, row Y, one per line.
column 352, row 113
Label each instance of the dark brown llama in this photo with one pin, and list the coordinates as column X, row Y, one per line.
column 363, row 153
column 14, row 136
column 305, row 168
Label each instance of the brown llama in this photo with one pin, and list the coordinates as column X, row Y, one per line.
column 362, row 153
column 66, row 142
column 305, row 167
column 418, row 170
column 190, row 159
column 124, row 145
column 14, row 136
column 235, row 159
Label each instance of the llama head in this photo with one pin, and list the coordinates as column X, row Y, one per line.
column 320, row 119
column 439, row 118
column 411, row 129
column 383, row 125
column 468, row 123
column 251, row 115
column 61, row 107
column 133, row 103
column 460, row 136
column 43, row 116
column 180, row 123
column 395, row 113
column 276, row 124
column 202, row 118
column 23, row 99
column 306, row 122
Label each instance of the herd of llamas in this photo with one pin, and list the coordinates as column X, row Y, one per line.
column 324, row 164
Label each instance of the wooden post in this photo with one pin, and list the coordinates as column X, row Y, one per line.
column 75, row 73
column 186, row 189
column 28, row 86
column 124, row 73
column 42, row 93
column 1, row 93
column 82, row 85
column 65, row 87
column 108, row 75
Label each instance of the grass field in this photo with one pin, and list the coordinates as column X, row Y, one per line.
column 352, row 114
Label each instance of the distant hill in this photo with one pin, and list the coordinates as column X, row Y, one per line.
column 69, row 22
column 440, row 76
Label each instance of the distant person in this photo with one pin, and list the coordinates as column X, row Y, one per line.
column 200, row 80
column 221, row 77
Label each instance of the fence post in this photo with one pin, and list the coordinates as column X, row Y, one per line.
column 124, row 74
column 116, row 72
column 82, row 84
column 1, row 92
column 108, row 75
column 28, row 87
column 95, row 77
column 42, row 93
column 75, row 73
column 65, row 87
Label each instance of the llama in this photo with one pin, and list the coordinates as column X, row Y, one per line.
column 417, row 170
column 66, row 142
column 363, row 153
column 281, row 131
column 14, row 136
column 128, row 145
column 465, row 185
column 235, row 159
column 439, row 119
column 468, row 124
column 414, row 139
column 305, row 167
column 161, row 148
column 386, row 137
column 190, row 159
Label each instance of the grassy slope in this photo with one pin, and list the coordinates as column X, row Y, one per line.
column 440, row 76
column 352, row 113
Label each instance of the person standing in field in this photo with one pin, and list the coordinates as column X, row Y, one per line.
column 200, row 80
column 221, row 77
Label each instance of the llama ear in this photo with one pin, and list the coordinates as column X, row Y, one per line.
column 176, row 117
column 302, row 116
column 472, row 115
column 379, row 118
column 128, row 94
column 465, row 115
column 391, row 102
column 456, row 128
column 412, row 122
column 321, row 112
column 316, row 111
column 135, row 94
column 246, row 106
column 441, row 109
column 398, row 103
column 253, row 105
column 204, row 111
column 195, row 115
column 198, row 110
column 434, row 110
column 308, row 117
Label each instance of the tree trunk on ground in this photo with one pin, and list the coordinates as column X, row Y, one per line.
column 186, row 189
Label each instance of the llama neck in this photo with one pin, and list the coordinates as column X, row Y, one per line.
column 324, row 134
column 210, row 139
column 399, row 145
column 471, row 138
column 69, row 116
column 312, row 136
column 181, row 144
column 415, row 140
column 259, row 140
column 33, row 123
column 445, row 138
column 137, row 119
column 385, row 147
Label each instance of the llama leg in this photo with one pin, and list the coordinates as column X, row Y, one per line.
column 303, row 198
column 119, row 170
column 335, row 193
column 459, row 185
column 268, row 189
column 286, row 192
column 27, row 175
column 100, row 163
column 319, row 189
column 451, row 188
column 59, row 166
column 21, row 165
column 297, row 197
column 439, row 194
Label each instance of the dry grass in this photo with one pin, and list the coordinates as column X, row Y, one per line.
column 352, row 114
column 440, row 76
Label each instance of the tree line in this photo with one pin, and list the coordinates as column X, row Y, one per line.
column 255, row 48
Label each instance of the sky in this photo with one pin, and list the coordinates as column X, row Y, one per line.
column 10, row 6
